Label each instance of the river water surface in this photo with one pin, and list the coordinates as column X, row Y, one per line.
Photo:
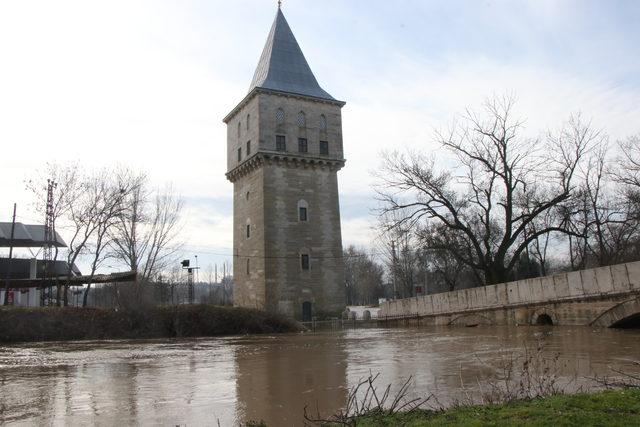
column 272, row 378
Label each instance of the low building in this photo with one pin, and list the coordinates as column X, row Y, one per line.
column 361, row 312
column 28, row 236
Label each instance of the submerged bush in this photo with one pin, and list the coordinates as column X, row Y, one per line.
column 72, row 323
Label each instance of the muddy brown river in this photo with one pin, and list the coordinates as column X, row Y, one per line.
column 272, row 378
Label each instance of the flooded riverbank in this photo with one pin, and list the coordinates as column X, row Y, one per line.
column 273, row 377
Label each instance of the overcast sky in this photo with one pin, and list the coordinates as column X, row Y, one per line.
column 147, row 83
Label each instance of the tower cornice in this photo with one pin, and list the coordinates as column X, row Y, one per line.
column 285, row 159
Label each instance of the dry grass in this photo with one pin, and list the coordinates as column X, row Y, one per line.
column 365, row 399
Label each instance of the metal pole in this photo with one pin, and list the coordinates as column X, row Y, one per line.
column 6, row 285
column 196, row 268
column 393, row 269
column 193, row 294
column 224, row 286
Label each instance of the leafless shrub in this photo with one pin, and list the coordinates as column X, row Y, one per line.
column 520, row 376
column 621, row 379
column 516, row 375
column 365, row 399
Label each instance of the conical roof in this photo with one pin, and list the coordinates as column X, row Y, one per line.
column 282, row 65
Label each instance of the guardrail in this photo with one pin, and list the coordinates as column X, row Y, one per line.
column 335, row 324
column 374, row 322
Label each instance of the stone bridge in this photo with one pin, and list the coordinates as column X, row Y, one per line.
column 599, row 297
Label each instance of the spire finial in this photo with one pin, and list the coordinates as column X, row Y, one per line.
column 279, row 3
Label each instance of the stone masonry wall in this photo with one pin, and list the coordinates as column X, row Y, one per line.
column 288, row 286
column 291, row 105
column 604, row 283
column 248, row 208
column 237, row 140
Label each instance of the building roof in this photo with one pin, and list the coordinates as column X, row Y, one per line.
column 282, row 65
column 21, row 268
column 26, row 236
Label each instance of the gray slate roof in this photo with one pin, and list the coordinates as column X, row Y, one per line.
column 26, row 236
column 282, row 65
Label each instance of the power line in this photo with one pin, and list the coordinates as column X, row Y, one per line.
column 231, row 255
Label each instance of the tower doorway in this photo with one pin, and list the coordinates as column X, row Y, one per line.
column 306, row 311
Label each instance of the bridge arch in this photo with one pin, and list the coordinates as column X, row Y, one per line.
column 624, row 315
column 472, row 319
column 543, row 317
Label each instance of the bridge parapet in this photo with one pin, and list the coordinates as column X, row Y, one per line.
column 612, row 281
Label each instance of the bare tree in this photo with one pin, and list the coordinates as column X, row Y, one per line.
column 65, row 194
column 363, row 277
column 602, row 213
column 627, row 174
column 108, row 191
column 92, row 214
column 145, row 237
column 480, row 200
column 400, row 253
column 629, row 162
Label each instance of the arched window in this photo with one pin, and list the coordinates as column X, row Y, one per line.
column 304, row 261
column 302, row 119
column 248, row 119
column 247, row 196
column 303, row 211
column 239, row 125
column 247, row 265
column 248, row 229
column 323, row 123
column 279, row 116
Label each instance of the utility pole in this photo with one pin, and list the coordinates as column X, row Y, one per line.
column 224, row 285
column 48, row 241
column 190, row 270
column 215, row 280
column 393, row 269
column 197, row 268
column 6, row 285
column 196, row 282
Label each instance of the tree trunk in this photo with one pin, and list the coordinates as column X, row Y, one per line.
column 86, row 295
column 58, row 294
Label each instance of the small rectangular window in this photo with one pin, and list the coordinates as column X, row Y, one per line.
column 324, row 147
column 248, row 148
column 303, row 214
column 281, row 144
column 302, row 145
column 239, row 153
column 248, row 230
column 304, row 261
column 247, row 265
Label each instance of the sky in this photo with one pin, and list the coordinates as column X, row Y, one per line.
column 147, row 83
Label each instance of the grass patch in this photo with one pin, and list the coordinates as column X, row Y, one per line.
column 606, row 408
column 19, row 324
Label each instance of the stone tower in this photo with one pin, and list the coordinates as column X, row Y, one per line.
column 284, row 149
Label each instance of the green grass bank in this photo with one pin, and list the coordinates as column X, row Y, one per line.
column 71, row 323
column 605, row 408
